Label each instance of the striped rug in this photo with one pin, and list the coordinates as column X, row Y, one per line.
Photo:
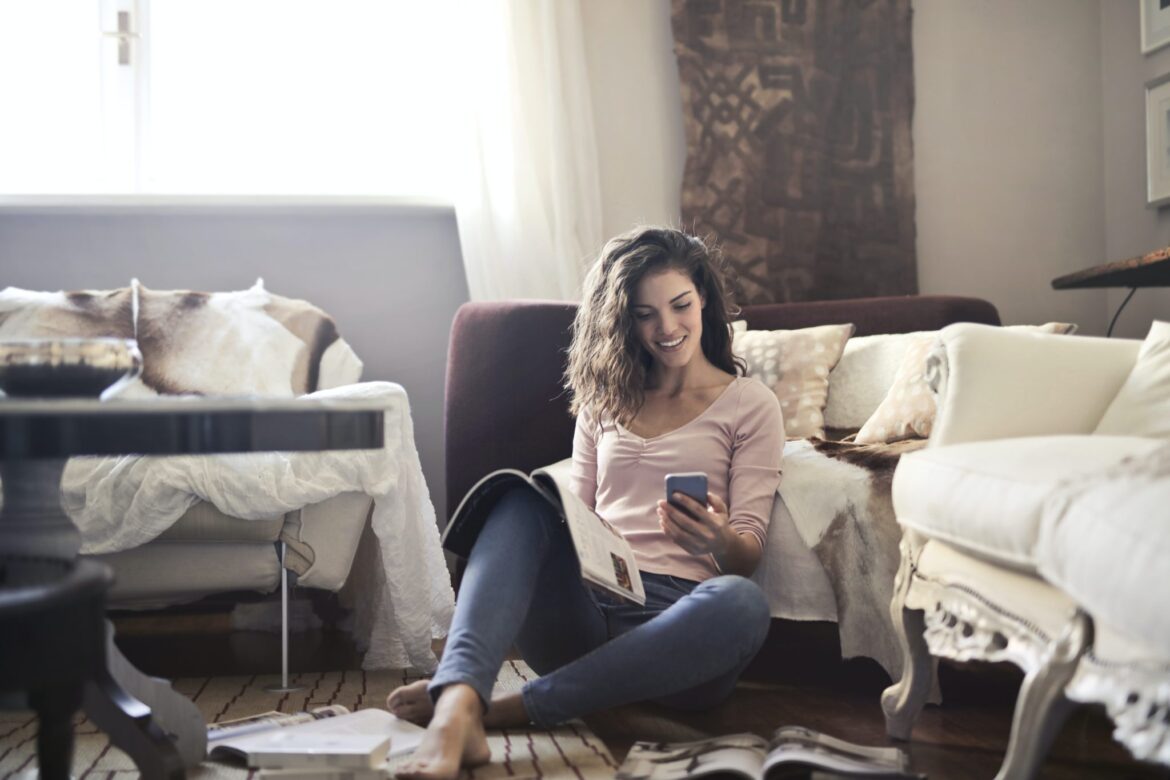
column 572, row 751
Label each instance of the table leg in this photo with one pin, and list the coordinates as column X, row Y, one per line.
column 130, row 727
column 159, row 728
column 175, row 715
column 55, row 707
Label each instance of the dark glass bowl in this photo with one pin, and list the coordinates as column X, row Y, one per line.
column 68, row 368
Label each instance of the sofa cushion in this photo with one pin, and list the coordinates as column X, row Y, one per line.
column 1106, row 541
column 795, row 364
column 322, row 539
column 159, row 574
column 1142, row 405
column 985, row 497
column 908, row 408
column 203, row 522
column 860, row 380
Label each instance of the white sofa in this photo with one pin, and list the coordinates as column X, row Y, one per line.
column 1038, row 533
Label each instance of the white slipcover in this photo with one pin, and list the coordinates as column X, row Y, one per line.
column 1106, row 542
column 986, row 497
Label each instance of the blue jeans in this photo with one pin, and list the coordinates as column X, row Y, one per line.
column 685, row 648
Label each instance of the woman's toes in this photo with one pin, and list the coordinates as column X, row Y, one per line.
column 411, row 702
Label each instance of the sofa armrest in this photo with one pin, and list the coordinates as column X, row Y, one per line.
column 323, row 538
column 1000, row 384
column 505, row 404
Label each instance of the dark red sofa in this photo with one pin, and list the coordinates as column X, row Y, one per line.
column 505, row 407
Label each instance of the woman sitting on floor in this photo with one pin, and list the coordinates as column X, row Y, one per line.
column 655, row 390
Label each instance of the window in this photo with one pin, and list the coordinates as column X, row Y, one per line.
column 281, row 97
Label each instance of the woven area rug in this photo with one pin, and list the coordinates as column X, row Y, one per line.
column 572, row 751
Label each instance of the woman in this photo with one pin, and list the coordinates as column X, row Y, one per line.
column 655, row 391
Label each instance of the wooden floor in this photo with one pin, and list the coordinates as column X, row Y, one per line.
column 798, row 678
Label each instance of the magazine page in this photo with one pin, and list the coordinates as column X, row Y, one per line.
column 737, row 754
column 270, row 720
column 793, row 747
column 606, row 558
column 468, row 519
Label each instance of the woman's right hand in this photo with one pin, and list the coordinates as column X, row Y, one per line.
column 700, row 530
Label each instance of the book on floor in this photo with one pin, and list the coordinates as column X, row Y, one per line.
column 793, row 751
column 327, row 737
column 607, row 562
column 302, row 773
column 268, row 720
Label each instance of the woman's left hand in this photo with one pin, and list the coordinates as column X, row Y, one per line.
column 700, row 530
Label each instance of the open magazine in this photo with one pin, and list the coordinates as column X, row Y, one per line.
column 325, row 737
column 607, row 562
column 793, row 751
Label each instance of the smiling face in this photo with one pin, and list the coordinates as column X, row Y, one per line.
column 668, row 317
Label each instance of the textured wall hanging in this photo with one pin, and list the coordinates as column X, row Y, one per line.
column 799, row 159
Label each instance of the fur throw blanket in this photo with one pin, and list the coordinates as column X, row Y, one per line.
column 223, row 343
column 839, row 496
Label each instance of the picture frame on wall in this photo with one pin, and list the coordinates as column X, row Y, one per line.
column 1158, row 141
column 1155, row 25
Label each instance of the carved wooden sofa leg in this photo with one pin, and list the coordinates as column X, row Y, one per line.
column 903, row 700
column 1042, row 706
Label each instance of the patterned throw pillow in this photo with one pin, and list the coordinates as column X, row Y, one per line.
column 796, row 365
column 909, row 408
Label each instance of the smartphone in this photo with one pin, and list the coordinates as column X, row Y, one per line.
column 693, row 484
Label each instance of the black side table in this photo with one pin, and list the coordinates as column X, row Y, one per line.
column 1149, row 270
column 44, row 586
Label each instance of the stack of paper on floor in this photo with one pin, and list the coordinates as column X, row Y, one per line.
column 356, row 744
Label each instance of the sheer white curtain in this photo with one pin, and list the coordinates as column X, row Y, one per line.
column 527, row 195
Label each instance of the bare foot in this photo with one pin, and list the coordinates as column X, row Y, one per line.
column 454, row 738
column 412, row 702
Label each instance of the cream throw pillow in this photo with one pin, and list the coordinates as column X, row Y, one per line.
column 909, row 408
column 795, row 364
column 862, row 378
column 1142, row 406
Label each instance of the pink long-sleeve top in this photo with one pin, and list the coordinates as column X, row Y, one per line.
column 737, row 442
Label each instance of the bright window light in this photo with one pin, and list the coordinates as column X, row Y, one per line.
column 231, row 97
column 50, row 97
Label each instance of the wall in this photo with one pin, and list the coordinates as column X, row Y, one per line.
column 1131, row 228
column 1007, row 134
column 1007, row 157
column 391, row 277
column 637, row 107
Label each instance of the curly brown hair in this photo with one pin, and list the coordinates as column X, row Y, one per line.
column 607, row 366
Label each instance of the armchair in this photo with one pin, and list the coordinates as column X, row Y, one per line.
column 1030, row 537
column 175, row 530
